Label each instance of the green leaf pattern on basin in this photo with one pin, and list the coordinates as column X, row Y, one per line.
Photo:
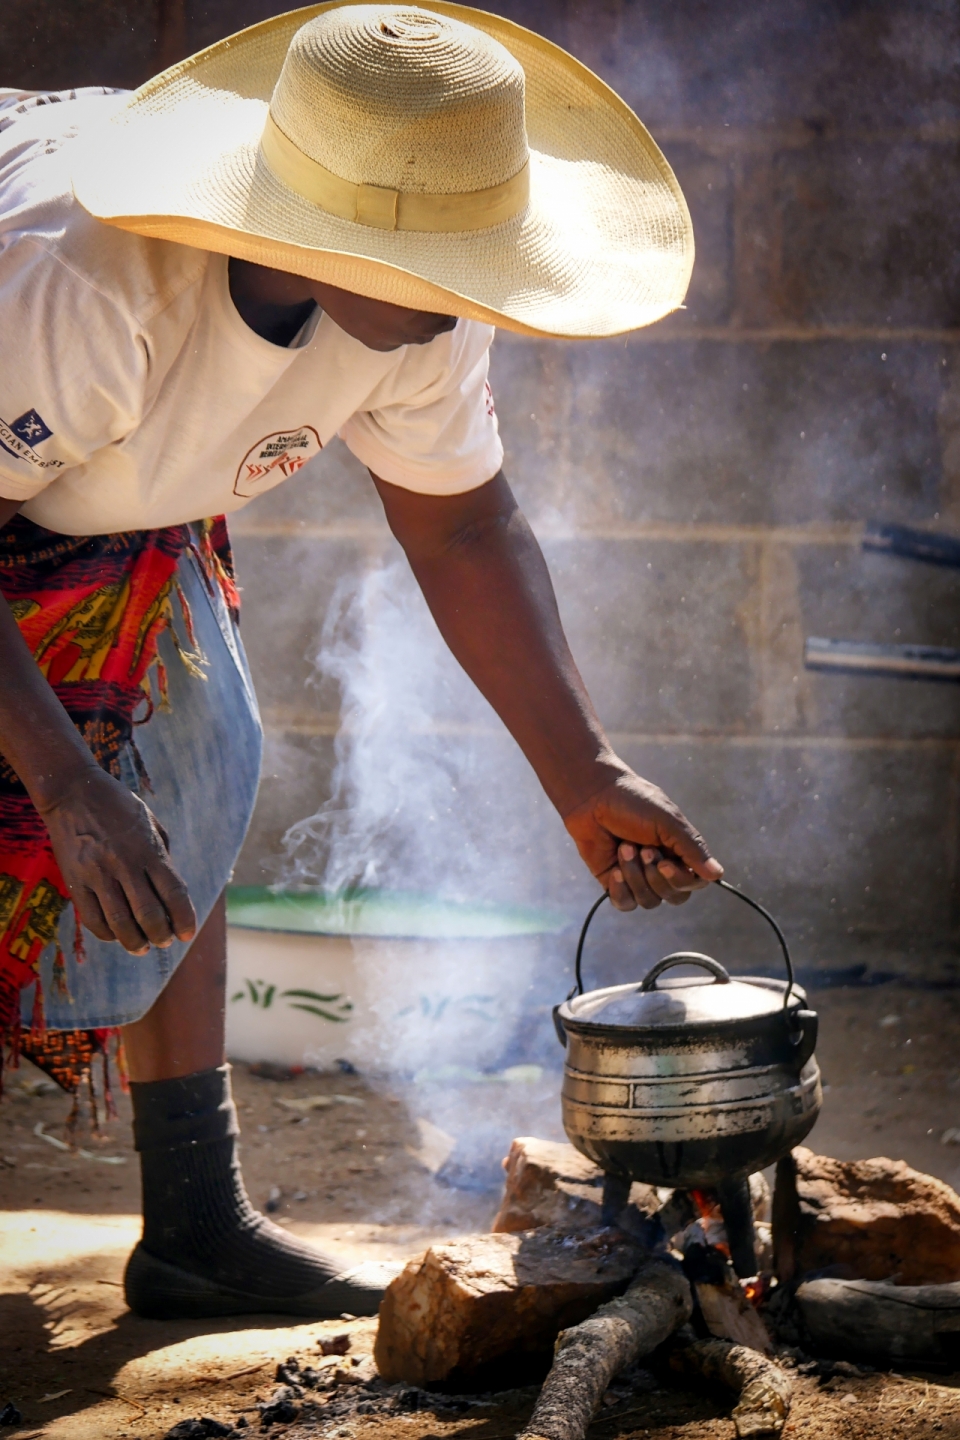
column 262, row 996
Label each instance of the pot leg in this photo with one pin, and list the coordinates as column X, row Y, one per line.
column 734, row 1197
column 616, row 1194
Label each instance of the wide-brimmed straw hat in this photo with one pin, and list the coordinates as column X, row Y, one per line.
column 434, row 156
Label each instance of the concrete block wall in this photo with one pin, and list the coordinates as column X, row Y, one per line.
column 700, row 488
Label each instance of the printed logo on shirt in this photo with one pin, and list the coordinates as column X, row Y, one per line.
column 21, row 435
column 488, row 399
column 274, row 458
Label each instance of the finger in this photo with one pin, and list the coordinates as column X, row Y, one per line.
column 621, row 896
column 175, row 899
column 679, row 877
column 639, row 868
column 676, row 835
column 627, row 893
column 148, row 909
column 118, row 915
column 91, row 915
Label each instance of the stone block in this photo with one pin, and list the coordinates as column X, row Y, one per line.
column 814, row 830
column 866, row 233
column 707, row 182
column 657, row 627
column 49, row 46
column 864, row 1219
column 552, row 1184
column 463, row 1305
column 678, row 432
column 811, row 69
column 847, row 593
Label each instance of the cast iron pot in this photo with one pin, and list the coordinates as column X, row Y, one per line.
column 689, row 1081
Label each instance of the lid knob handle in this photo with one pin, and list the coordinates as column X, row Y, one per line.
column 684, row 957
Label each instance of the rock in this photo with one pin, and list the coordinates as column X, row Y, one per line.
column 335, row 1345
column 865, row 1220
column 462, row 1305
column 552, row 1184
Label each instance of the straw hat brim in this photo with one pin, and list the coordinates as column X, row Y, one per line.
column 604, row 246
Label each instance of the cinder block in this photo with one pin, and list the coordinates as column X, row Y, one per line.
column 867, row 233
column 658, row 630
column 722, row 433
column 838, row 837
column 708, row 187
column 49, row 46
column 850, row 594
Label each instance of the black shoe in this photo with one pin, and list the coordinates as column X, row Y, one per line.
column 157, row 1290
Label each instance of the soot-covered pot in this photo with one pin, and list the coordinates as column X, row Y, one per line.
column 689, row 1080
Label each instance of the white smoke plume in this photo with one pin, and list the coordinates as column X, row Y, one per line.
column 428, row 793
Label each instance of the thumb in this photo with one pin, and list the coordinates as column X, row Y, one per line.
column 679, row 836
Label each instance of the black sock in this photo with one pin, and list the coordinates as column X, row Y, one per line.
column 196, row 1213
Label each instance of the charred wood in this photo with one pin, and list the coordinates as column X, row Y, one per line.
column 590, row 1354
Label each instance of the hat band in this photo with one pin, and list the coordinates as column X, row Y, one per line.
column 390, row 209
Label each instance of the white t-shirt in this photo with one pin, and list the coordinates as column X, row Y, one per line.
column 133, row 396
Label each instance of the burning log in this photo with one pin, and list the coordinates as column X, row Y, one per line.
column 877, row 1321
column 764, row 1389
column 729, row 1314
column 480, row 1298
column 589, row 1355
column 876, row 1218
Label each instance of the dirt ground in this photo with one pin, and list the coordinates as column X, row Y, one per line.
column 352, row 1176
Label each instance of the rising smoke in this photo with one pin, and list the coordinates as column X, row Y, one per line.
column 429, row 794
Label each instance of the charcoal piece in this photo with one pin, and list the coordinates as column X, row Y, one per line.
column 288, row 1372
column 10, row 1415
column 201, row 1427
column 309, row 1377
column 281, row 1409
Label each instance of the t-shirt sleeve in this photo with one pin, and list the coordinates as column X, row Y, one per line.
column 430, row 426
column 73, row 370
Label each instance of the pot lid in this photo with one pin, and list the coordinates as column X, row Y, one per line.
column 384, row 914
column 661, row 1002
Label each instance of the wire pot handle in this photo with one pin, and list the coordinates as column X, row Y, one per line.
column 723, row 884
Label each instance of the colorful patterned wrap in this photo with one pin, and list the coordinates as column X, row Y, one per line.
column 91, row 609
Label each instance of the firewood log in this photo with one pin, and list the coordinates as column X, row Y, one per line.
column 871, row 1320
column 764, row 1389
column 590, row 1354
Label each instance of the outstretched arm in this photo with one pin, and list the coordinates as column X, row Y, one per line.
column 486, row 582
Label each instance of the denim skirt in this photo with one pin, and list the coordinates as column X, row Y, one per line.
column 202, row 757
